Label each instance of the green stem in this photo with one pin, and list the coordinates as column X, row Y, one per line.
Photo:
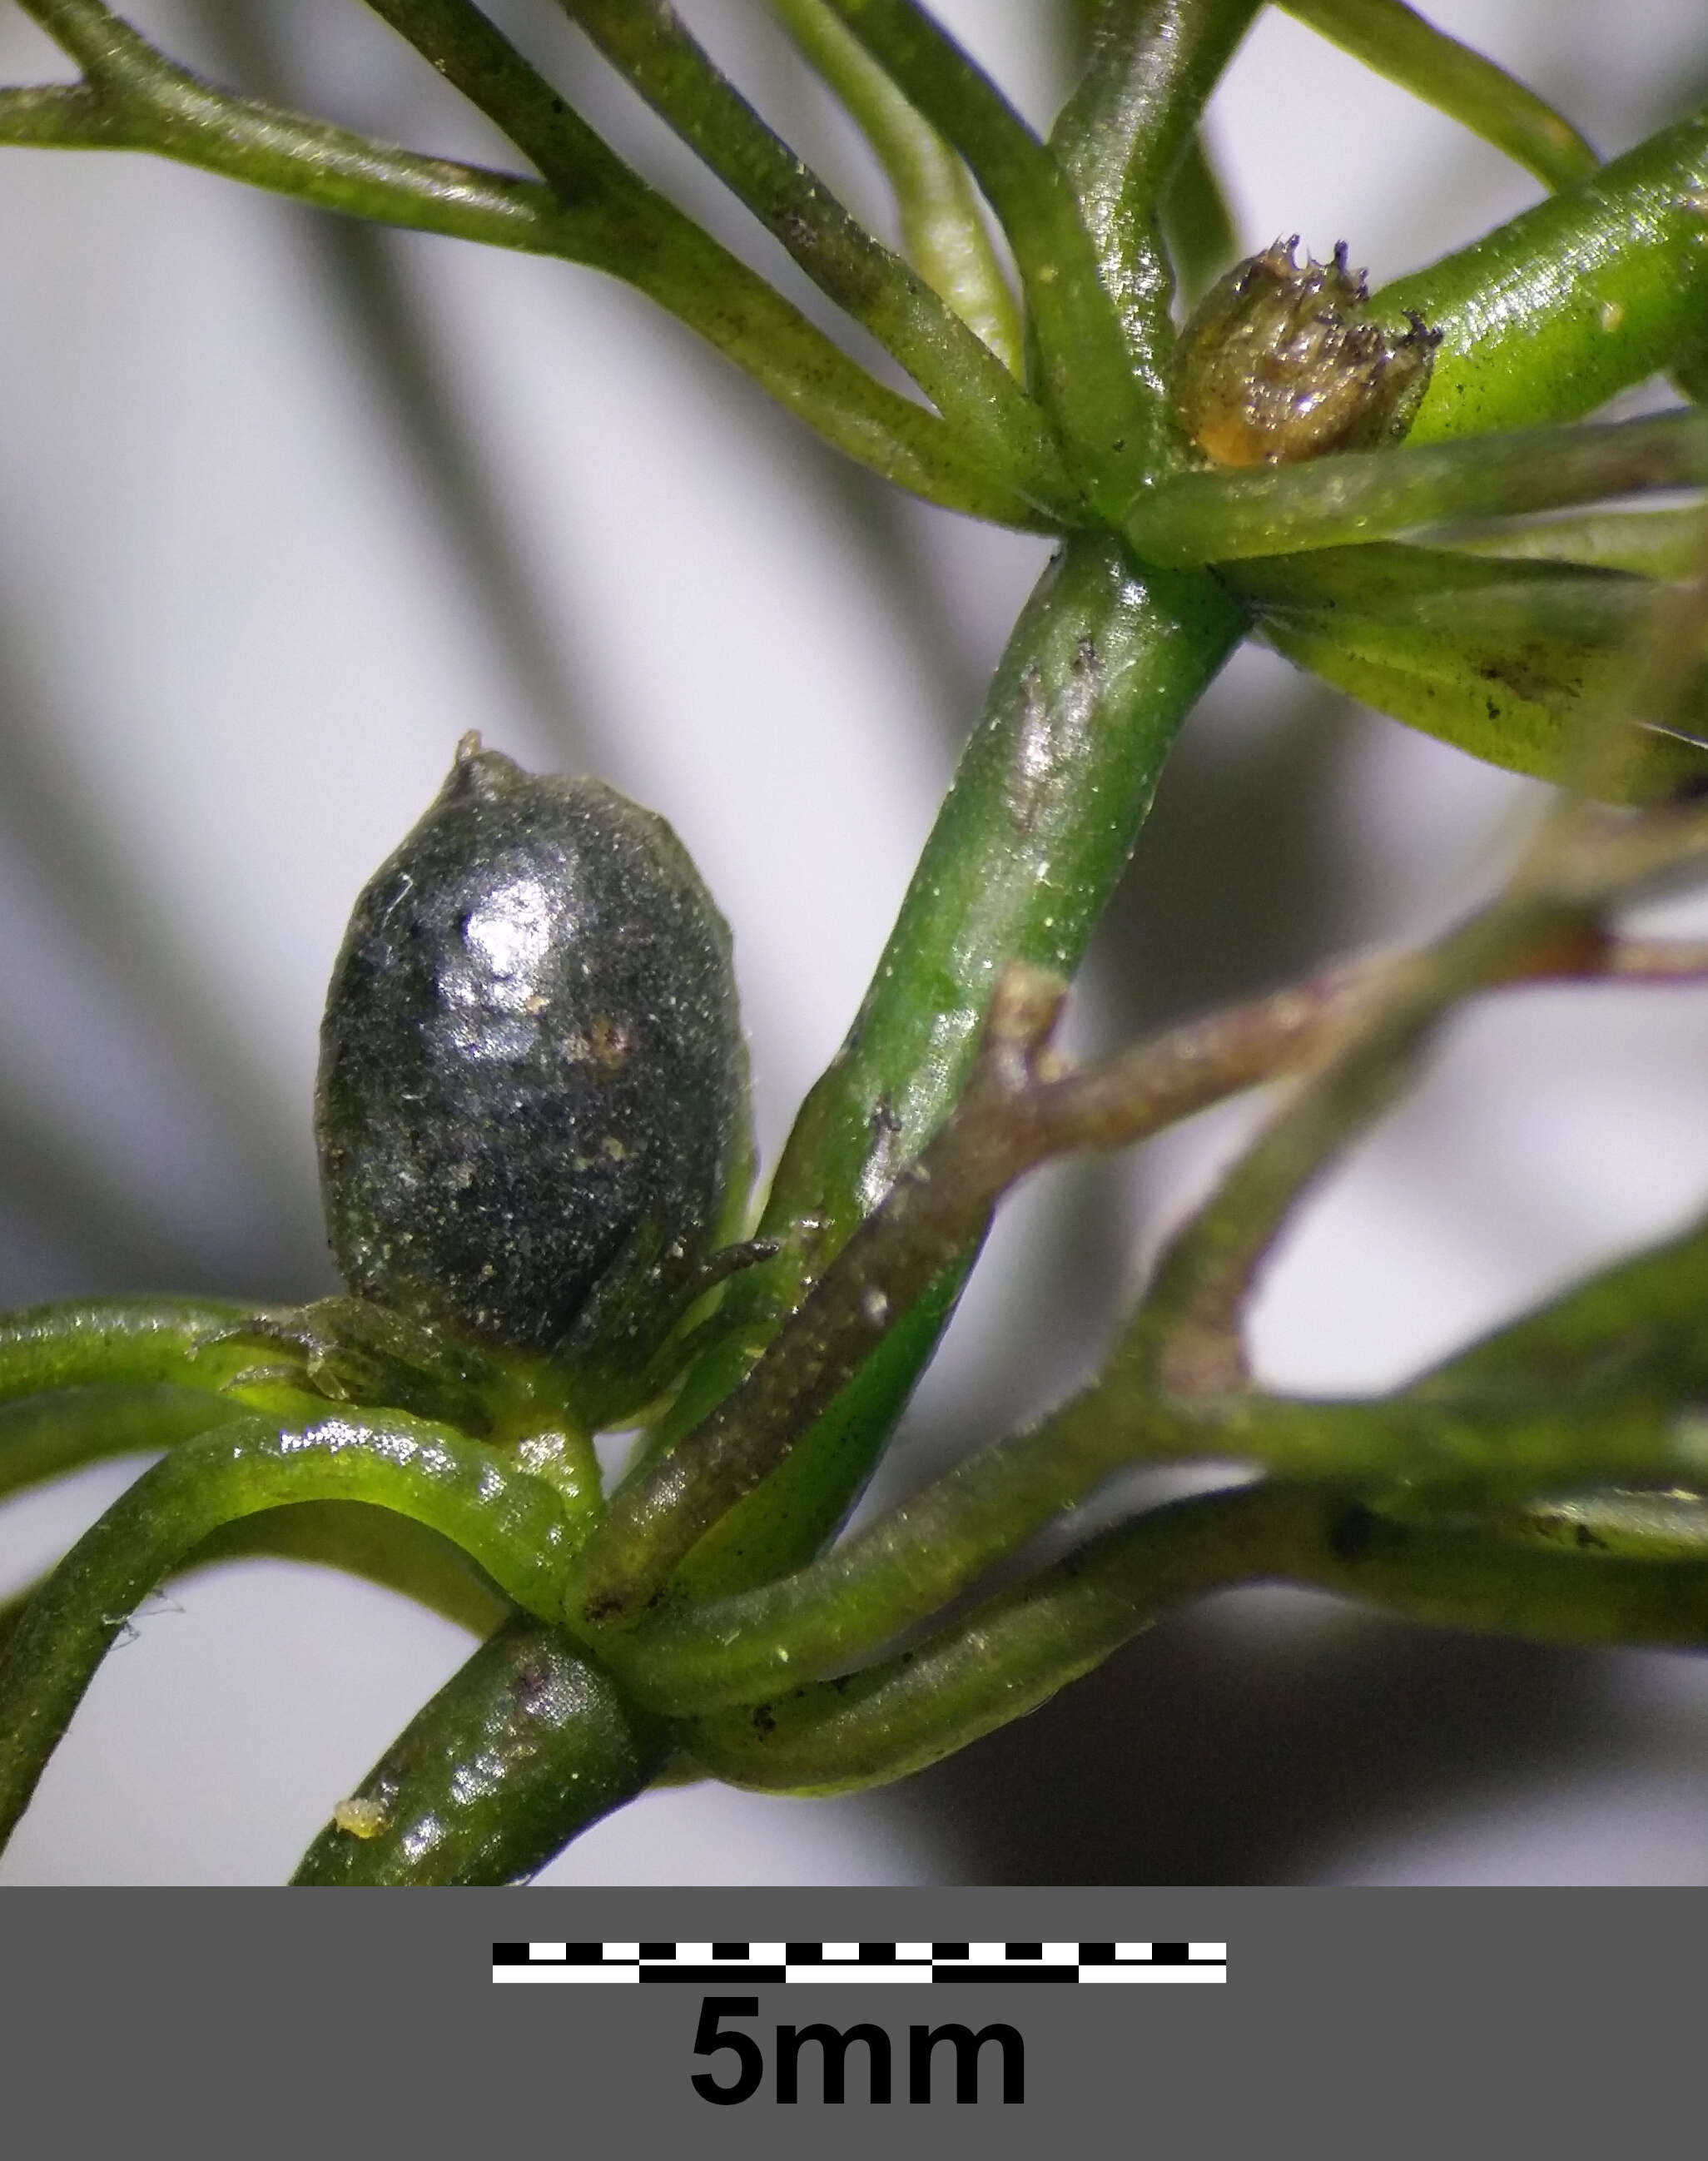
column 525, row 1746
column 1393, row 39
column 1014, row 1653
column 1085, row 376
column 121, row 1342
column 1102, row 667
column 515, row 1525
column 1594, row 289
column 1371, row 495
column 943, row 229
column 975, row 393
column 934, row 1547
column 587, row 217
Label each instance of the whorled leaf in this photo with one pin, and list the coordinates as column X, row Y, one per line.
column 1511, row 660
column 1642, row 1321
column 1650, row 544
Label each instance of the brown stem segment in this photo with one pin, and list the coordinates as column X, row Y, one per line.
column 1020, row 1108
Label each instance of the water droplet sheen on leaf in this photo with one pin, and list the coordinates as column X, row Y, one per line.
column 532, row 1098
column 1280, row 363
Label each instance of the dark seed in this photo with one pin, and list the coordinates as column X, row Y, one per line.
column 532, row 1099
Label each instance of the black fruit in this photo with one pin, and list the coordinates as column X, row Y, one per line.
column 532, row 1102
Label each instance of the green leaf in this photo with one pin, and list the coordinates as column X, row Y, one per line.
column 1357, row 496
column 1084, row 374
column 119, row 1342
column 1197, row 223
column 1650, row 544
column 1394, row 40
column 1126, row 139
column 943, row 228
column 1511, row 661
column 45, row 1436
column 1642, row 1322
column 593, row 210
column 970, row 385
column 517, row 1527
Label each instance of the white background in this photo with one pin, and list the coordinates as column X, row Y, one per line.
column 240, row 632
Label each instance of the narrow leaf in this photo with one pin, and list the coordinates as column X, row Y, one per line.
column 1371, row 495
column 513, row 1524
column 45, row 1436
column 121, row 1342
column 1510, row 661
column 628, row 231
column 943, row 228
column 1197, row 223
column 1085, row 373
column 1650, row 544
column 1395, row 40
column 965, row 381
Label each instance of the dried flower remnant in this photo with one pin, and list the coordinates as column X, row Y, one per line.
column 1279, row 364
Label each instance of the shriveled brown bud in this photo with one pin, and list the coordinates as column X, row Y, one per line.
column 1280, row 363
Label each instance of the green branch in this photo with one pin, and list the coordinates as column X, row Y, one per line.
column 107, row 48
column 934, row 1547
column 1005, row 1659
column 1012, row 1654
